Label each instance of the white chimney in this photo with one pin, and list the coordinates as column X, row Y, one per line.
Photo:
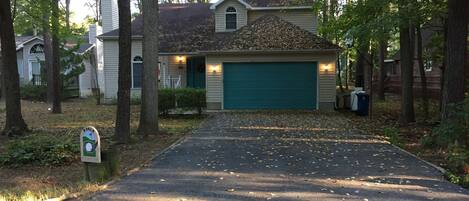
column 92, row 34
column 110, row 15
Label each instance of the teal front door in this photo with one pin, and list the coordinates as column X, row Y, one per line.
column 291, row 85
column 196, row 72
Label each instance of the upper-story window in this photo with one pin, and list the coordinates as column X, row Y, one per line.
column 37, row 49
column 231, row 18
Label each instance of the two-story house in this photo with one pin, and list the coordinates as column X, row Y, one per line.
column 247, row 54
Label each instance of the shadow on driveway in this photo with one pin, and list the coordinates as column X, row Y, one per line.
column 284, row 156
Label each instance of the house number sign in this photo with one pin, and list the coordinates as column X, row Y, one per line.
column 90, row 145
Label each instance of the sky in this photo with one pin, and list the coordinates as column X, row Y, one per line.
column 80, row 11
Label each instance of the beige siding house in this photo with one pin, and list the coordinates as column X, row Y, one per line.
column 247, row 54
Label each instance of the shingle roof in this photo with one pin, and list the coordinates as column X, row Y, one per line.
column 191, row 28
column 84, row 47
column 21, row 39
column 272, row 33
column 279, row 3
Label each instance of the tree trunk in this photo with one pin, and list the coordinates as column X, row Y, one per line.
column 383, row 45
column 2, row 85
column 56, row 82
column 339, row 75
column 122, row 131
column 423, row 76
column 48, row 57
column 456, row 47
column 325, row 16
column 370, row 84
column 14, row 123
column 407, row 77
column 149, row 108
column 67, row 14
column 361, row 62
column 443, row 66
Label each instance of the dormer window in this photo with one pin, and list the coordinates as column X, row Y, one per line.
column 231, row 18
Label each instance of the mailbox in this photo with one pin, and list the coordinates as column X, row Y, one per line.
column 90, row 145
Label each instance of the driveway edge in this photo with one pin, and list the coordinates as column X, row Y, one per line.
column 440, row 169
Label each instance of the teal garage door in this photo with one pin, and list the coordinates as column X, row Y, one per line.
column 291, row 85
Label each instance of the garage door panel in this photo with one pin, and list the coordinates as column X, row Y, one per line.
column 270, row 85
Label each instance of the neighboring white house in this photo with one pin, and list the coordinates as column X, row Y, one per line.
column 247, row 54
column 30, row 59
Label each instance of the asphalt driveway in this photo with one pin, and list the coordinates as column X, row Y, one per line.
column 283, row 156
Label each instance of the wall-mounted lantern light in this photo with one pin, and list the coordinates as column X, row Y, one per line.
column 181, row 59
column 326, row 67
column 214, row 68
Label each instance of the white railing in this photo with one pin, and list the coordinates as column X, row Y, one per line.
column 173, row 82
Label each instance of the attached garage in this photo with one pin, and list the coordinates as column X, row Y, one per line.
column 270, row 85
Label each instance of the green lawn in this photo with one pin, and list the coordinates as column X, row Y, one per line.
column 38, row 182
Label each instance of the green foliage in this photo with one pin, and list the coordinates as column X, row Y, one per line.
column 458, row 160
column 451, row 132
column 33, row 92
column 392, row 134
column 166, row 100
column 171, row 99
column 40, row 149
column 460, row 180
column 191, row 99
column 71, row 65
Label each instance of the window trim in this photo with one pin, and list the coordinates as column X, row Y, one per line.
column 136, row 60
column 34, row 48
column 235, row 13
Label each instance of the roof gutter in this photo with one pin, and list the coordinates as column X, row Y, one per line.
column 271, row 51
column 281, row 8
column 101, row 37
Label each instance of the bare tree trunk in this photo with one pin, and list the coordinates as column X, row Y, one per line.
column 47, row 36
column 407, row 77
column 423, row 76
column 56, row 82
column 325, row 15
column 361, row 62
column 14, row 123
column 2, row 86
column 369, row 82
column 149, row 108
column 67, row 14
column 339, row 75
column 456, row 47
column 383, row 45
column 96, row 90
column 122, row 131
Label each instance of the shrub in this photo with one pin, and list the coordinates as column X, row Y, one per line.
column 458, row 160
column 41, row 149
column 33, row 92
column 170, row 99
column 166, row 100
column 392, row 134
column 453, row 132
column 191, row 99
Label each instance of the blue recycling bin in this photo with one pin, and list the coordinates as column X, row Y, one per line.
column 363, row 104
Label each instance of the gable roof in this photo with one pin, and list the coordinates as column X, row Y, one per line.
column 22, row 40
column 271, row 33
column 190, row 28
column 268, row 4
column 279, row 3
column 429, row 31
